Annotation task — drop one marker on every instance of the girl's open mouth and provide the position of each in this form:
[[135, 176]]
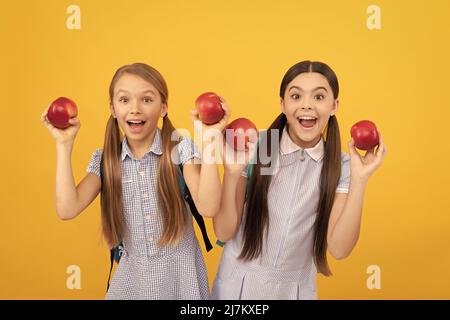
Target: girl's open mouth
[[136, 125], [307, 122]]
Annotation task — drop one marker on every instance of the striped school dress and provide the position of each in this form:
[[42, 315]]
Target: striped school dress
[[286, 268], [146, 270]]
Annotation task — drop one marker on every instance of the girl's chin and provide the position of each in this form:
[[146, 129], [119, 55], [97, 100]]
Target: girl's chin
[[305, 139]]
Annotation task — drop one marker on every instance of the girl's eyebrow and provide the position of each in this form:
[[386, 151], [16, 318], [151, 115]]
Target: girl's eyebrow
[[149, 90], [315, 89], [125, 91], [121, 90]]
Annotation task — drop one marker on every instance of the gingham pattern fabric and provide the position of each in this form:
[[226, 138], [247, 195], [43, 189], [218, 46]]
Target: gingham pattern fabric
[[146, 270], [285, 269]]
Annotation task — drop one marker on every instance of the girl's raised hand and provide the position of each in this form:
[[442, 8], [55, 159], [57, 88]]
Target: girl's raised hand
[[362, 167], [62, 136], [209, 138], [210, 130], [235, 161]]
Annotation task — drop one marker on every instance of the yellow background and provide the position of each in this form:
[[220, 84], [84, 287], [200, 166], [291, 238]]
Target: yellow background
[[396, 76]]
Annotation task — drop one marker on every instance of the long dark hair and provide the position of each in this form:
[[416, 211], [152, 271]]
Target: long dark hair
[[173, 207], [256, 221]]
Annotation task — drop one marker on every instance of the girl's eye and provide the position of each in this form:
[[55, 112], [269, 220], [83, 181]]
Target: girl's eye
[[295, 96], [319, 97], [147, 99], [123, 99]]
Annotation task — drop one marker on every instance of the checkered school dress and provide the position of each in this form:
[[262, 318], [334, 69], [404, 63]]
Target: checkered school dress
[[285, 269], [146, 270]]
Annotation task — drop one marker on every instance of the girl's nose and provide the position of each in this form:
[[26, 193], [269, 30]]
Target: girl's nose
[[134, 108]]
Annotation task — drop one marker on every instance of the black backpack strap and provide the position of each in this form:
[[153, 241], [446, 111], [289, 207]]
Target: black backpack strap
[[198, 217], [115, 254], [112, 253]]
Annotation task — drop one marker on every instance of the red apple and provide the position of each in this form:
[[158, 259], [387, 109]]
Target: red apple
[[209, 108], [365, 135], [60, 111], [239, 132]]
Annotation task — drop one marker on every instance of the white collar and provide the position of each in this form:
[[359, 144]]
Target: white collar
[[156, 146], [288, 146]]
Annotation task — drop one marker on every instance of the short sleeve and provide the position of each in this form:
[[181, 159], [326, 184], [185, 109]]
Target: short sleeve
[[188, 150], [94, 164], [344, 180]]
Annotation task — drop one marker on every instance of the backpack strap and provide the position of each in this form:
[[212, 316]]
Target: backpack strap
[[111, 257], [198, 217], [114, 255]]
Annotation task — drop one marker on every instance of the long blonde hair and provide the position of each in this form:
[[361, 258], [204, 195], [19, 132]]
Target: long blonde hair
[[175, 218]]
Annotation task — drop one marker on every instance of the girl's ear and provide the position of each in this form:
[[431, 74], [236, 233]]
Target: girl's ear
[[164, 110], [111, 108], [335, 107], [281, 105]]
